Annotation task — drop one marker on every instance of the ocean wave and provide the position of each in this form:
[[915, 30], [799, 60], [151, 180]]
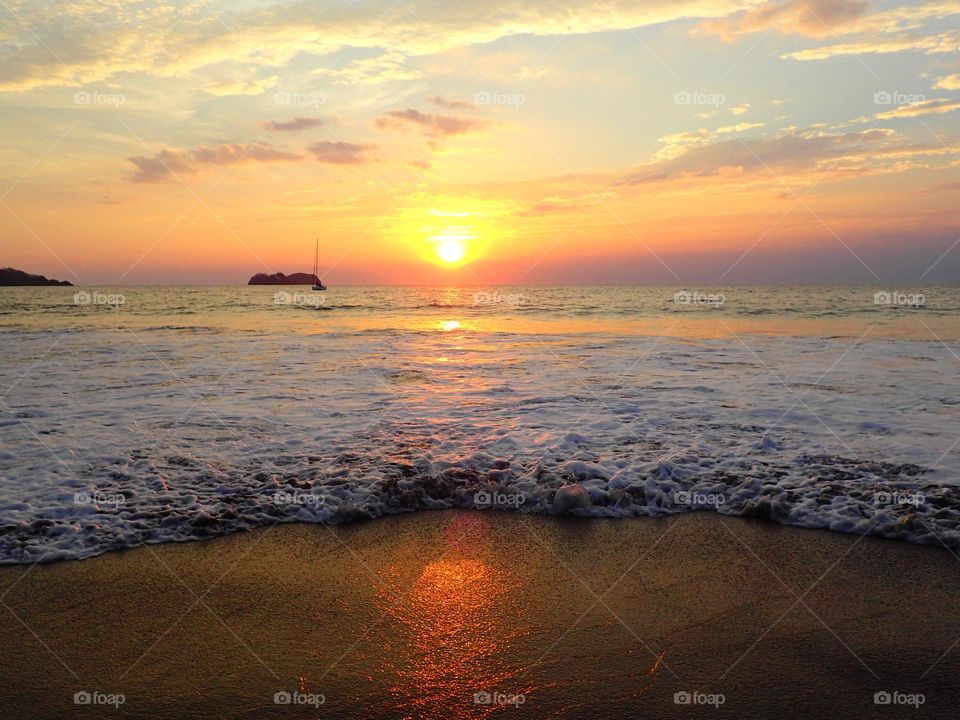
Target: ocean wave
[[830, 492], [109, 442]]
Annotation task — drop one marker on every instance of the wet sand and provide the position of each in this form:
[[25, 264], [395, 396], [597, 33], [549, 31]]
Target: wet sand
[[411, 616]]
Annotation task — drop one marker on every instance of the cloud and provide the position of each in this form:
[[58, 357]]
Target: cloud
[[95, 41], [434, 125], [341, 153], [929, 44], [935, 106], [950, 82], [387, 66], [166, 163], [451, 104], [739, 127], [791, 17], [224, 88], [297, 123], [781, 154]]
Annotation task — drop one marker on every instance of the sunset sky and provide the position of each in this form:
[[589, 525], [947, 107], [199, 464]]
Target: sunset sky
[[550, 141]]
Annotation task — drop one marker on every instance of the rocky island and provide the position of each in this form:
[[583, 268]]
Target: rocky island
[[11, 277], [281, 279]]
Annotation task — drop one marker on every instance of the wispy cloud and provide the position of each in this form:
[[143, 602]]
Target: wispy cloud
[[95, 41], [341, 153], [934, 106], [780, 154], [791, 17], [933, 43], [435, 125], [448, 104], [225, 88], [166, 164], [950, 82], [297, 123]]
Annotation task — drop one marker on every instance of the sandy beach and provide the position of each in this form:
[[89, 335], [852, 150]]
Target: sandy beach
[[414, 615]]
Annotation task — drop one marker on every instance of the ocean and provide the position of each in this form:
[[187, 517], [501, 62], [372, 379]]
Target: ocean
[[148, 415]]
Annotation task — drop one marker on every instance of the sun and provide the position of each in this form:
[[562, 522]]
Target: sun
[[451, 250]]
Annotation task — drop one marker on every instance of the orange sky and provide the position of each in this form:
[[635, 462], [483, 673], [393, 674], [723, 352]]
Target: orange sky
[[623, 142]]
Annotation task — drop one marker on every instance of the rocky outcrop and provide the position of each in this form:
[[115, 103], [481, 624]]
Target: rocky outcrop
[[281, 279], [9, 277]]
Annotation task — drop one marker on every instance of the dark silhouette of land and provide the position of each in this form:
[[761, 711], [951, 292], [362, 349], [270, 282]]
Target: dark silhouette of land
[[281, 279], [10, 277]]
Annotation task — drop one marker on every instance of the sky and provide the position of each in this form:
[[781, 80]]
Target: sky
[[504, 141]]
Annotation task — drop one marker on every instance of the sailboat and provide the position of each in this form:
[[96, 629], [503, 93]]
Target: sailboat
[[317, 285]]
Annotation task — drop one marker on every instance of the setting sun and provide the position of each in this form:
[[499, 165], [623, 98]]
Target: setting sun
[[451, 251]]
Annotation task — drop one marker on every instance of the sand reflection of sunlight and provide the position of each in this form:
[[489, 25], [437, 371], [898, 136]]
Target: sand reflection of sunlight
[[458, 632]]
